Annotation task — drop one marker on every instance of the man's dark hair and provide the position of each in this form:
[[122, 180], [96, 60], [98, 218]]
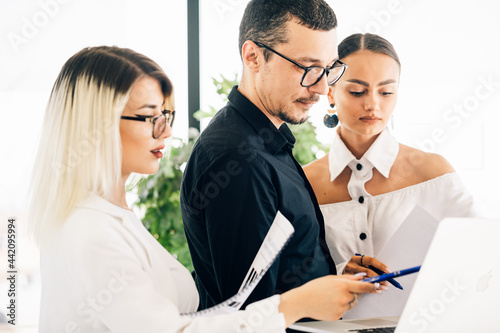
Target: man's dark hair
[[264, 20]]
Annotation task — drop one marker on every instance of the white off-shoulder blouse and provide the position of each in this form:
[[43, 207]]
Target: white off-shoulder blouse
[[366, 223]]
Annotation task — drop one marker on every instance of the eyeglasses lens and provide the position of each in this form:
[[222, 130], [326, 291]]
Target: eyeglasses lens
[[159, 126], [335, 74]]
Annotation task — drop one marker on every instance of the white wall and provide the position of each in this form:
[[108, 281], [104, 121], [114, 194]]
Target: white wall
[[36, 38]]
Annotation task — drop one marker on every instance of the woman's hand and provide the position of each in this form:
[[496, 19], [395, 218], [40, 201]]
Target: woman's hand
[[361, 264], [325, 298]]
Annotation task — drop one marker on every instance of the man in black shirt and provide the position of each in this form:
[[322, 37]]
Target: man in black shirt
[[242, 171]]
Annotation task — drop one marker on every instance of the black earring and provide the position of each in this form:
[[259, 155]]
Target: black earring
[[331, 120]]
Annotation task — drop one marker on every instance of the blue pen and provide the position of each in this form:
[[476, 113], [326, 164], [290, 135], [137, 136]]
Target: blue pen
[[381, 272], [387, 276]]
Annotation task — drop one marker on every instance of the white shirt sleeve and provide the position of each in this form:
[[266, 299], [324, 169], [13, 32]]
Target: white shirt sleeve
[[262, 317], [98, 279]]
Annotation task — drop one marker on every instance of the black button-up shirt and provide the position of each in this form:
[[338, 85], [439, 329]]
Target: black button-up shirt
[[240, 173]]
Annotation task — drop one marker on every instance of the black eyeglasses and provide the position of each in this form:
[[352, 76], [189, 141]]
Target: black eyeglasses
[[159, 122], [313, 74]]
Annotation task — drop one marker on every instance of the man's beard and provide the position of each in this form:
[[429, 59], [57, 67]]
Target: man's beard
[[289, 120]]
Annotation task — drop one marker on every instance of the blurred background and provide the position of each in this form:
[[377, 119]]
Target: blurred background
[[449, 93]]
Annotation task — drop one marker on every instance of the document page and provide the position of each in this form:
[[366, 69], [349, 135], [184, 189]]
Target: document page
[[406, 248], [276, 238], [278, 235]]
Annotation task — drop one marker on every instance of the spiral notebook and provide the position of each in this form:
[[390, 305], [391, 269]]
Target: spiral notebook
[[278, 235]]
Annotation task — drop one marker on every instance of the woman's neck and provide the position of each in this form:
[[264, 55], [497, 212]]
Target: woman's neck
[[119, 198], [357, 144]]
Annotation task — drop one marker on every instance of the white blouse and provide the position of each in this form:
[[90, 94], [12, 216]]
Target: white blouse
[[104, 272], [366, 223]]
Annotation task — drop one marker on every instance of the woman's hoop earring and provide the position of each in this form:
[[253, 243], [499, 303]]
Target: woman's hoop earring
[[331, 120]]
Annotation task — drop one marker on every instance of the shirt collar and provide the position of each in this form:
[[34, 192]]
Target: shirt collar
[[98, 203], [381, 155], [274, 139]]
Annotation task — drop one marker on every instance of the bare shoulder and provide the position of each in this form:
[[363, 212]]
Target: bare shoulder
[[426, 165], [316, 171]]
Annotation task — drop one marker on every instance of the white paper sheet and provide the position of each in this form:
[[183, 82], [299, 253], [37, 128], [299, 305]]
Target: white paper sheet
[[406, 248], [278, 235]]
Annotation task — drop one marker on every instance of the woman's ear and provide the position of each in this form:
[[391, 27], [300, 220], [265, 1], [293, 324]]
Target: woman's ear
[[331, 91], [252, 56]]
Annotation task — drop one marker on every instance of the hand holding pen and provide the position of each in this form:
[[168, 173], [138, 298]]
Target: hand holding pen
[[362, 263], [390, 276], [359, 264]]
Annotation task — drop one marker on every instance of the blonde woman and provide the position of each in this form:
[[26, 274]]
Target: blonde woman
[[108, 116]]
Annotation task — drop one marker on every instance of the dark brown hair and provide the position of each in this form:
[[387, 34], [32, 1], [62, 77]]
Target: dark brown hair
[[264, 20], [111, 66], [370, 42]]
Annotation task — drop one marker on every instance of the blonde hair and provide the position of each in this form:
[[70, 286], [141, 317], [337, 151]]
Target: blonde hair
[[79, 152]]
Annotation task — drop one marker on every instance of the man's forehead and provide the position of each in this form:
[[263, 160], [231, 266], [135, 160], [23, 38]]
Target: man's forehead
[[311, 45]]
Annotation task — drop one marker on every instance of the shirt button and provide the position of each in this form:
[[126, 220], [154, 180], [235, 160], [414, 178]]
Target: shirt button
[[359, 166], [361, 199], [362, 236]]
